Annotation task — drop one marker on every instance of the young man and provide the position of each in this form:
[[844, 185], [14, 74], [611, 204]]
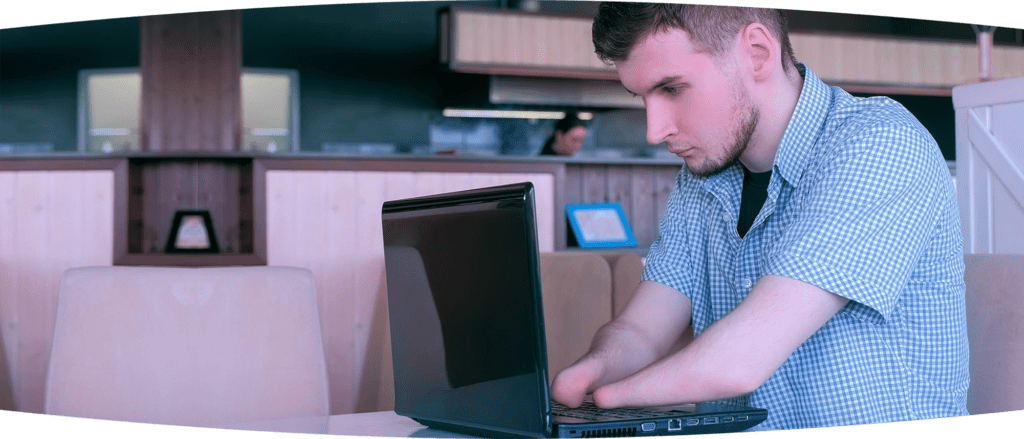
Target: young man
[[832, 292]]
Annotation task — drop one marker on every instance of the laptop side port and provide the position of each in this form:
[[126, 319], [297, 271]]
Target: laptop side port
[[648, 426], [675, 425]]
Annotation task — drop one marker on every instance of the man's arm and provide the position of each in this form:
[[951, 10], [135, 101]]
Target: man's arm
[[735, 355], [644, 332]]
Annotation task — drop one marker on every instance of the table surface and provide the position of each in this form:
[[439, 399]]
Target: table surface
[[375, 424]]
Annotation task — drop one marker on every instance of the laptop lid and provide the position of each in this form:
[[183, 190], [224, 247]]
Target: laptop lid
[[467, 325], [465, 307]]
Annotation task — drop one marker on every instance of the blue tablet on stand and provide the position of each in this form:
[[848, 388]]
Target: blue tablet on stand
[[600, 225]]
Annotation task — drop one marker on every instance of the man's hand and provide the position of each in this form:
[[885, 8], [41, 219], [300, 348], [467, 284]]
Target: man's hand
[[571, 385], [644, 332]]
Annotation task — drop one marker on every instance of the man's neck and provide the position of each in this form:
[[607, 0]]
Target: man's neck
[[777, 102]]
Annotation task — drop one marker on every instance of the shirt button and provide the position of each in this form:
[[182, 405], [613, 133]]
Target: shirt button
[[747, 283]]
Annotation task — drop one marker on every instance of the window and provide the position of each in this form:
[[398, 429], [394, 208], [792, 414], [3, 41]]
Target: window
[[270, 110], [110, 102]]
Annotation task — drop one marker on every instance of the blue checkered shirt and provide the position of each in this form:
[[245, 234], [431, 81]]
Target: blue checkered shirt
[[861, 204]]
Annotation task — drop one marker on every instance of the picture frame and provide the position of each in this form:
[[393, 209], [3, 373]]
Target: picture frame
[[192, 232], [601, 225]]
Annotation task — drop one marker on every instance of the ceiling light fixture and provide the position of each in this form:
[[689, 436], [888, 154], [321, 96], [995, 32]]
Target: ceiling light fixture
[[510, 114]]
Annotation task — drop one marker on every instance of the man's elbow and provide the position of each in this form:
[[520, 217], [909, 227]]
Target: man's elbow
[[734, 380]]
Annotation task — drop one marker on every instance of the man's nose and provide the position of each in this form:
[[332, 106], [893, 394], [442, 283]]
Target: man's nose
[[659, 124]]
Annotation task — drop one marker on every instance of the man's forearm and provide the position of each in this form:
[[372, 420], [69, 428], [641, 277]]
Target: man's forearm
[[735, 355], [623, 350]]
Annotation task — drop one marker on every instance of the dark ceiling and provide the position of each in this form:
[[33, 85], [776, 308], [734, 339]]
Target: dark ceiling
[[124, 31]]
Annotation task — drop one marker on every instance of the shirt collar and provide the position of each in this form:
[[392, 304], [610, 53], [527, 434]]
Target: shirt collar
[[798, 142]]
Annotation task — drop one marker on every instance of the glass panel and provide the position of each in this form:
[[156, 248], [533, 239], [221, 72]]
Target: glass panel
[[267, 112], [113, 102]]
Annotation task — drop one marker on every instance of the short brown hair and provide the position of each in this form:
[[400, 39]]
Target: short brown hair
[[619, 26]]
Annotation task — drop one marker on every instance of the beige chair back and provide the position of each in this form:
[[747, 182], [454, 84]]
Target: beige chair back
[[627, 269], [577, 302], [187, 346], [995, 330]]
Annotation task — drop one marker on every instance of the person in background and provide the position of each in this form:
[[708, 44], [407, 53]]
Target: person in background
[[567, 138]]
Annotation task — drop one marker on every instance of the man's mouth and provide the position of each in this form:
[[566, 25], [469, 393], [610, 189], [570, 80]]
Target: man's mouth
[[680, 151]]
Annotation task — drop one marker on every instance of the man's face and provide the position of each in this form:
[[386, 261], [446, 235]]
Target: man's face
[[567, 143], [701, 111]]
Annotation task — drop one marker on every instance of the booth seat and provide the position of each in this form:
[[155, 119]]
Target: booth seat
[[627, 267], [994, 305], [579, 289], [187, 346], [995, 332], [101, 329], [994, 301], [171, 341]]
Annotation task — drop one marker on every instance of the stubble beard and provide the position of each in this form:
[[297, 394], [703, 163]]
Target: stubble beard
[[731, 154]]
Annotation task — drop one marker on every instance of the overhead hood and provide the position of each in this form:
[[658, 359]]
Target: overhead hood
[[463, 90], [560, 92]]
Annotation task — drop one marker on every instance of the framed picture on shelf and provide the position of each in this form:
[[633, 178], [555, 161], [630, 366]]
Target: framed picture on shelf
[[192, 232]]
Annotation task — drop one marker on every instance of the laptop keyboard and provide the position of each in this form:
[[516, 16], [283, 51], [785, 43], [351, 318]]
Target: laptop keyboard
[[590, 412]]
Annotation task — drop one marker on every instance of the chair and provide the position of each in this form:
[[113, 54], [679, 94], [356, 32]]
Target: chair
[[995, 330], [577, 291], [627, 269], [187, 346]]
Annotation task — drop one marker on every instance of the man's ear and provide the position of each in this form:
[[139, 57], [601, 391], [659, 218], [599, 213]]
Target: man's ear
[[758, 49]]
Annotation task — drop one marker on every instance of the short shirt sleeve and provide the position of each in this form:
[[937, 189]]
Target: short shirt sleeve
[[863, 216], [670, 260]]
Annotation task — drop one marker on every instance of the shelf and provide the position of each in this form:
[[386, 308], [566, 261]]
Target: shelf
[[159, 186], [187, 260]]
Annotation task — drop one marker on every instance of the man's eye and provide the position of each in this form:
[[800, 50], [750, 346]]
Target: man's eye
[[671, 89]]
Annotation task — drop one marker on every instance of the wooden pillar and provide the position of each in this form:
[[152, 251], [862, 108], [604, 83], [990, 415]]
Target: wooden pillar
[[191, 67]]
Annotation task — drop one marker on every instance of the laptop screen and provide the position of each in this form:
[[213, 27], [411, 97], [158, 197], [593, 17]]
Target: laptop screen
[[464, 300]]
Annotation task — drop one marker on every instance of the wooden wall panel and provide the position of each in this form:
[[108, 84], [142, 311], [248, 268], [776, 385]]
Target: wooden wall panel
[[513, 39], [642, 190], [858, 59], [191, 67], [665, 183], [618, 182], [329, 222], [8, 287], [518, 43], [51, 221], [35, 290], [594, 186], [640, 206]]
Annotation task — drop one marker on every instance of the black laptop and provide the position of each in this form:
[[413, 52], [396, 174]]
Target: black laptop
[[467, 327]]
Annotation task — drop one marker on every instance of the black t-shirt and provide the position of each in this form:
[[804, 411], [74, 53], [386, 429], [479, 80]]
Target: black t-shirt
[[755, 191]]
